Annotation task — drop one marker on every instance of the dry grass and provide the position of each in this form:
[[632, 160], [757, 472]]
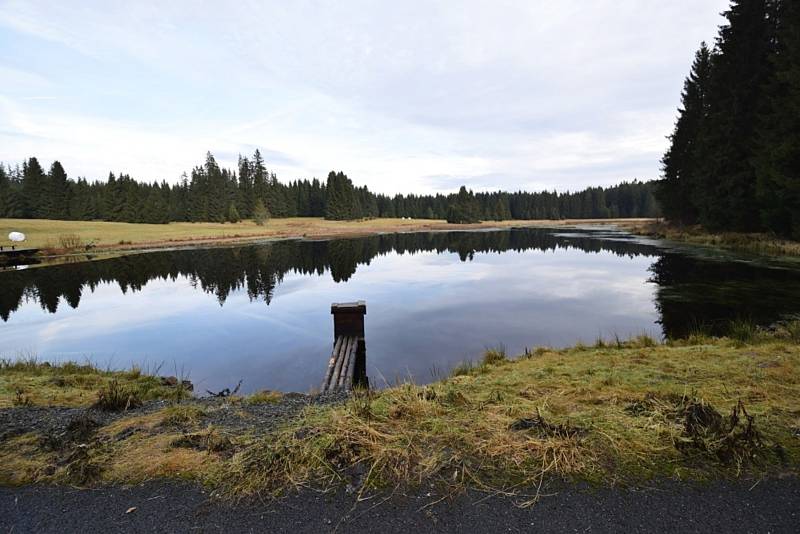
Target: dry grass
[[620, 412], [70, 241], [144, 457], [23, 460], [556, 413], [47, 234], [763, 244]]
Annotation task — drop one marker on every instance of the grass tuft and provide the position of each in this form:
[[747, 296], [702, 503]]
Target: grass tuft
[[462, 369], [181, 415], [70, 241], [744, 331], [116, 398], [264, 397], [494, 356]]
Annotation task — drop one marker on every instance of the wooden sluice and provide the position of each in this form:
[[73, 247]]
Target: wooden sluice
[[347, 367]]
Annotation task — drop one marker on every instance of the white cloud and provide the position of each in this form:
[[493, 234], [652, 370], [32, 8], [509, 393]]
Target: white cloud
[[503, 94]]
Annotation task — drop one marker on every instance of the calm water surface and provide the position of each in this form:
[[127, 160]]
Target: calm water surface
[[262, 313]]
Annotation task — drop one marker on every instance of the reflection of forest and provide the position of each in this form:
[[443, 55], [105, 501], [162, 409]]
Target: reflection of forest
[[259, 269], [695, 294], [690, 291]]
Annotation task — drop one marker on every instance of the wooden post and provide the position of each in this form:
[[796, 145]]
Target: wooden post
[[348, 320]]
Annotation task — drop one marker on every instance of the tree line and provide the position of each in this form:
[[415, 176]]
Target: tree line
[[734, 157], [211, 193]]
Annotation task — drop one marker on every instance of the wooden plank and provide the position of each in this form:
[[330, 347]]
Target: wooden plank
[[349, 356], [339, 360], [351, 366], [346, 363], [336, 348]]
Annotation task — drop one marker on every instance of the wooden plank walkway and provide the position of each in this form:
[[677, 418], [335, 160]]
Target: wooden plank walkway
[[347, 367], [341, 366]]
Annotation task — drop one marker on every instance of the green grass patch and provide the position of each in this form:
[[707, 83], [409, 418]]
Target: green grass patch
[[27, 381], [264, 397]]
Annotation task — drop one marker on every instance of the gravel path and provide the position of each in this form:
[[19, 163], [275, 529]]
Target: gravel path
[[54, 421], [771, 506]]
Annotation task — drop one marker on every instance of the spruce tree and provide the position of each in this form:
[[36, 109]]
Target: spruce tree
[[246, 194], [233, 213], [777, 160], [740, 69], [341, 200], [678, 189], [5, 191], [216, 190], [154, 209], [260, 213], [57, 191], [463, 208], [34, 190]]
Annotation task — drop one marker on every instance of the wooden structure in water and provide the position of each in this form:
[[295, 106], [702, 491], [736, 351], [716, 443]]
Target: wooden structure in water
[[347, 367]]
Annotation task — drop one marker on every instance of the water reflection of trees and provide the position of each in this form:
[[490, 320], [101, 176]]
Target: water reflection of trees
[[260, 269], [706, 295], [690, 292]]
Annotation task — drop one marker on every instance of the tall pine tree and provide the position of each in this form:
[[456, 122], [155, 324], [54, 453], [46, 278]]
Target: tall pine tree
[[777, 160], [678, 190], [740, 70]]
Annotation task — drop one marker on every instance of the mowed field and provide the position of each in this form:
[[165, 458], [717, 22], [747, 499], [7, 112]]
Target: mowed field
[[58, 235]]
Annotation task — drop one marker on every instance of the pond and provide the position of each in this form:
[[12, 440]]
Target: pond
[[261, 313]]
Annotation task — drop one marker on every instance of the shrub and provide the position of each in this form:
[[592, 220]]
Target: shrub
[[70, 241]]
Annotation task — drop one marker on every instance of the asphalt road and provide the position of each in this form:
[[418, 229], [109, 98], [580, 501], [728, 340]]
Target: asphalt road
[[770, 506]]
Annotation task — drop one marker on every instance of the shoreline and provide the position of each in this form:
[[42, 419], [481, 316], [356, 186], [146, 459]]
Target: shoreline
[[613, 413], [109, 238], [754, 243]]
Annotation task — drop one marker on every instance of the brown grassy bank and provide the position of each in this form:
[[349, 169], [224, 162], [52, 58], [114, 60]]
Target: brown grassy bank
[[61, 236], [611, 413], [756, 243]]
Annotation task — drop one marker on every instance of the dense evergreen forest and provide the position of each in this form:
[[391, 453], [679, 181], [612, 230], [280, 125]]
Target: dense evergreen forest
[[734, 159], [215, 194]]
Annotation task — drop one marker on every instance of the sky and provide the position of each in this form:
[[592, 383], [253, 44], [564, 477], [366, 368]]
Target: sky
[[412, 96]]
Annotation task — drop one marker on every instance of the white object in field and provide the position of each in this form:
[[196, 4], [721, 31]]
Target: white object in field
[[17, 237]]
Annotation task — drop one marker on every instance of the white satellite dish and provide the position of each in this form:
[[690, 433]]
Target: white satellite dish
[[17, 237]]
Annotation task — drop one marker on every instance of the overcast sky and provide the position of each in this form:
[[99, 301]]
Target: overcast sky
[[403, 96]]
